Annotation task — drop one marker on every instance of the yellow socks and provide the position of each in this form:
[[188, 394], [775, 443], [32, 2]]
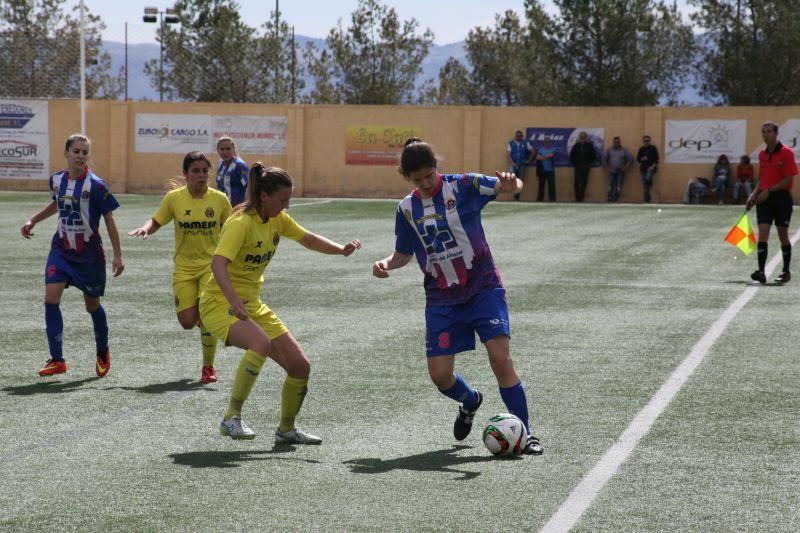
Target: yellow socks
[[209, 343], [292, 395], [246, 374]]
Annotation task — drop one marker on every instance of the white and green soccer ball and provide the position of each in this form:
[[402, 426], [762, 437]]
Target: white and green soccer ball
[[504, 435]]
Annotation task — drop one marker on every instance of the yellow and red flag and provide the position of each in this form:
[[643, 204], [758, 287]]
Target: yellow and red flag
[[742, 236]]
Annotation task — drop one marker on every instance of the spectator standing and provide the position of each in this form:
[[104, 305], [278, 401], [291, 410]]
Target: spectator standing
[[616, 161], [648, 165], [582, 156], [722, 175], [744, 178], [520, 153], [545, 157]]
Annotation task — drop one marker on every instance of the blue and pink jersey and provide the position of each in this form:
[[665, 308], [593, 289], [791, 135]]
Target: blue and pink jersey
[[446, 234], [81, 202]]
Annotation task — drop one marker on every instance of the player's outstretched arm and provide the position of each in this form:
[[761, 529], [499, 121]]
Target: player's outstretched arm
[[47, 211], [117, 264], [149, 227], [507, 182], [320, 244], [380, 269]]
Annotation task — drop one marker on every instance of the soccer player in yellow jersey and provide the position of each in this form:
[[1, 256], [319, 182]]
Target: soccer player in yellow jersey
[[198, 212], [231, 307]]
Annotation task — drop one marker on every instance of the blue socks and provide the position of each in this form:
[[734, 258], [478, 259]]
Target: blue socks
[[516, 402], [100, 324], [54, 326], [462, 392]]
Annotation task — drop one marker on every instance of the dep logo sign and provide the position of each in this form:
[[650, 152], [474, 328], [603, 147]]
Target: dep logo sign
[[703, 141]]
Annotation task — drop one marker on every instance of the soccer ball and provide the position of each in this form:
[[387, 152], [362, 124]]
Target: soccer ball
[[504, 435]]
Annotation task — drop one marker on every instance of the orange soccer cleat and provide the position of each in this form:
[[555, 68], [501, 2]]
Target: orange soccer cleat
[[103, 364], [53, 367]]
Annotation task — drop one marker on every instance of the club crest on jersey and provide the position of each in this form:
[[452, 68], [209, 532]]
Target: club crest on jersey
[[85, 195], [209, 212], [276, 239], [451, 204]]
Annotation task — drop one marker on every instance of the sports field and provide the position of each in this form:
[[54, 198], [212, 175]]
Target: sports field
[[606, 301]]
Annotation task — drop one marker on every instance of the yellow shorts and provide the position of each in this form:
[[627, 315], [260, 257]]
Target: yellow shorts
[[187, 288], [215, 312]]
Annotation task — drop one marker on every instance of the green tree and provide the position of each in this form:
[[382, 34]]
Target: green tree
[[511, 63], [621, 52], [747, 51], [213, 56], [374, 61], [40, 52]]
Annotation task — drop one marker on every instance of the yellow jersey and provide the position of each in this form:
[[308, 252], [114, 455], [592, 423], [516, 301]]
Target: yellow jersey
[[249, 244], [198, 222]]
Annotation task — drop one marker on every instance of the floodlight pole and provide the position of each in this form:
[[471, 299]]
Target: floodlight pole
[[83, 68]]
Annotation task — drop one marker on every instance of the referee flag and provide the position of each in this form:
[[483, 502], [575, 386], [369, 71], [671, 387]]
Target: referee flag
[[742, 235]]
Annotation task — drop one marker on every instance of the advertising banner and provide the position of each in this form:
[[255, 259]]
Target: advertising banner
[[788, 134], [24, 140], [563, 140], [252, 134], [703, 141], [376, 145], [172, 134]]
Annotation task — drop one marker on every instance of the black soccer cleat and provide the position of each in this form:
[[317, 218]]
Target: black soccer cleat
[[759, 276], [463, 423], [533, 446], [784, 277]]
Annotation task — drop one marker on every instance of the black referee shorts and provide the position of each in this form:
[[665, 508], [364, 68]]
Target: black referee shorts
[[777, 209]]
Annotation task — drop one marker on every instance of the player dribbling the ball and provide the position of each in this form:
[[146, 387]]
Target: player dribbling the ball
[[231, 307], [440, 223]]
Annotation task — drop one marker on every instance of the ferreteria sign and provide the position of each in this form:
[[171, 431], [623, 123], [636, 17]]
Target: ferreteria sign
[[789, 135], [703, 141]]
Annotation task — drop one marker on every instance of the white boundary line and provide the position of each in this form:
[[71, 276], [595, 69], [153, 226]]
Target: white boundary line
[[593, 482]]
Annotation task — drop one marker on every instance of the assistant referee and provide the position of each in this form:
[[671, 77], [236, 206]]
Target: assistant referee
[[773, 199]]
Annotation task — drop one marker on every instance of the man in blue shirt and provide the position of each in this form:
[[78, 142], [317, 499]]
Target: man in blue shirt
[[546, 170], [520, 155]]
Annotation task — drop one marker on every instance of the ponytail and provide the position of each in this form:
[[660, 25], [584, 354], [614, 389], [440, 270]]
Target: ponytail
[[416, 155], [263, 179]]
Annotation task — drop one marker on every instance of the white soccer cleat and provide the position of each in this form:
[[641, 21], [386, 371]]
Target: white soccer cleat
[[296, 436], [236, 429]]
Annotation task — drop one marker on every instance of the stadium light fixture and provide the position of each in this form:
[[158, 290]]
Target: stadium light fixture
[[168, 16]]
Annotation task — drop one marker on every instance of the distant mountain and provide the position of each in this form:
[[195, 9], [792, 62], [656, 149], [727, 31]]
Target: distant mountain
[[140, 88]]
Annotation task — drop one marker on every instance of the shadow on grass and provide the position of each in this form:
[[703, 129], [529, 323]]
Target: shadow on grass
[[754, 284], [181, 385], [217, 459], [48, 387], [435, 461]]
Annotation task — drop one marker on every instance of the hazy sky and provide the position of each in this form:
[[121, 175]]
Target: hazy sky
[[450, 20]]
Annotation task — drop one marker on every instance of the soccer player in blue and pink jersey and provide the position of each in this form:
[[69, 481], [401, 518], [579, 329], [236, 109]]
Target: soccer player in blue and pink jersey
[[232, 172], [440, 223], [76, 256]]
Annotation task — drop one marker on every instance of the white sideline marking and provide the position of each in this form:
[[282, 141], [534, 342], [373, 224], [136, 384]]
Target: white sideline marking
[[301, 204], [592, 483]]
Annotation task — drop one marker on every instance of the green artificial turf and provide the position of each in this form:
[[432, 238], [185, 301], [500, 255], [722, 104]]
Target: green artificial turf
[[605, 302]]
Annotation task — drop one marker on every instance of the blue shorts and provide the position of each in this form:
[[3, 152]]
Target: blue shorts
[[88, 277], [451, 328]]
